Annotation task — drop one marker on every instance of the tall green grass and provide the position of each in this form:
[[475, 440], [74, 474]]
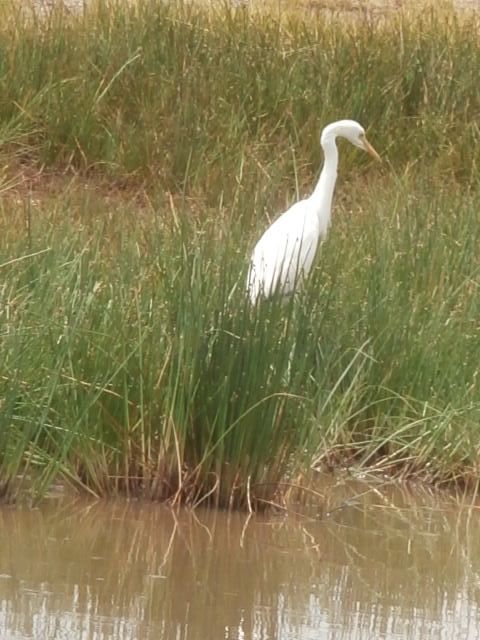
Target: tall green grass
[[160, 91], [132, 362], [129, 359]]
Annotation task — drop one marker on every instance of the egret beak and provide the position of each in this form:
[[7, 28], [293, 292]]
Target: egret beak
[[369, 149]]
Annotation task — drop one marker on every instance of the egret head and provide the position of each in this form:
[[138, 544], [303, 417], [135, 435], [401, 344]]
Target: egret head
[[352, 131]]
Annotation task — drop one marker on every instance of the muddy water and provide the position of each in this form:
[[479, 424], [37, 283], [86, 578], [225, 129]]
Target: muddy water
[[372, 562]]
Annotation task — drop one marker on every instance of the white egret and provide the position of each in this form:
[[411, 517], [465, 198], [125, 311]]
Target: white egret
[[284, 254]]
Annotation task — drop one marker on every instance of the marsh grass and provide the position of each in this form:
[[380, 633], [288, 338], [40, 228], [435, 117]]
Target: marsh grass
[[182, 96], [130, 360]]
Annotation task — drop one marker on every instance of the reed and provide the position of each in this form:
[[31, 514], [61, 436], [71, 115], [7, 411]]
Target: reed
[[132, 362], [182, 96]]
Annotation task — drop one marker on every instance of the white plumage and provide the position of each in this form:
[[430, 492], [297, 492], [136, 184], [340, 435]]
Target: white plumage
[[284, 254]]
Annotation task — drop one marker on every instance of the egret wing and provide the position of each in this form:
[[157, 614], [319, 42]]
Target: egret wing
[[284, 253]]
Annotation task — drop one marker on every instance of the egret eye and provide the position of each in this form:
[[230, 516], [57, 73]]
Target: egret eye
[[361, 140]]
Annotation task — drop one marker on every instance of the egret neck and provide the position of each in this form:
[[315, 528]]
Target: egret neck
[[321, 198]]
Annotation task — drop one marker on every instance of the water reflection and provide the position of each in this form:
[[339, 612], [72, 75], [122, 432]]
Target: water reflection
[[385, 563]]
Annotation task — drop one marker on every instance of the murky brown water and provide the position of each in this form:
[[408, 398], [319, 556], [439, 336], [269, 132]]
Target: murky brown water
[[385, 563]]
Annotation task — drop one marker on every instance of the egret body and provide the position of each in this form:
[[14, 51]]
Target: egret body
[[284, 254]]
